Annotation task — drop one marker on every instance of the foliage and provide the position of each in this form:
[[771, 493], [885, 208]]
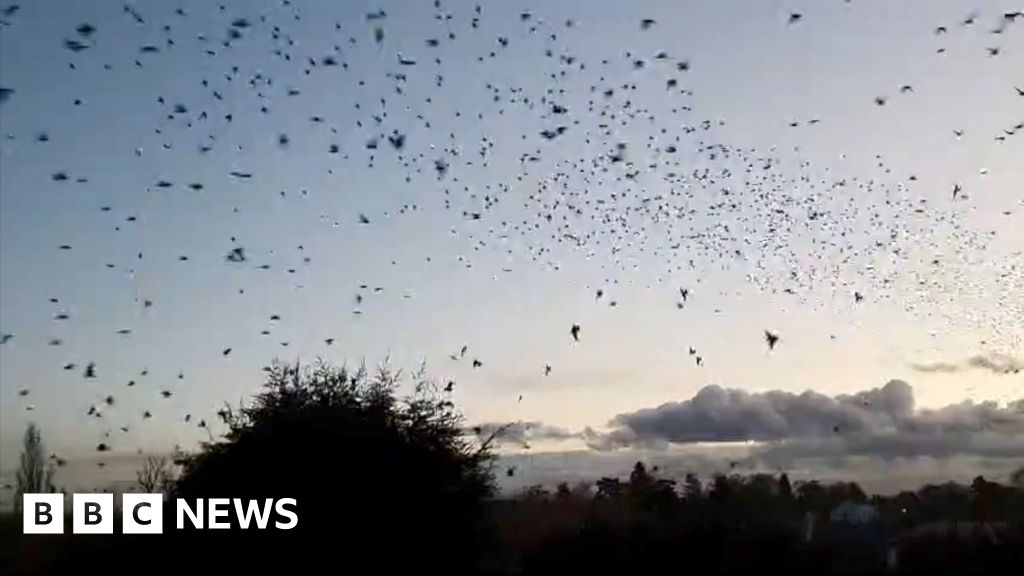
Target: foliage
[[156, 475], [35, 475], [386, 477]]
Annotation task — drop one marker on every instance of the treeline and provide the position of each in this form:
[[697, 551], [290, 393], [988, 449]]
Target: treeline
[[748, 523]]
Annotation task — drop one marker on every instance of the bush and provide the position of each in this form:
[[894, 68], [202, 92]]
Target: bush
[[380, 481]]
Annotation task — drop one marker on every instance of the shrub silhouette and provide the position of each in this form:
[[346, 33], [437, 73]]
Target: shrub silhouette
[[34, 474], [381, 482]]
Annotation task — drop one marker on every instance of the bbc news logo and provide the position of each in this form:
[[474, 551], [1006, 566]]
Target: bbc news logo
[[143, 513]]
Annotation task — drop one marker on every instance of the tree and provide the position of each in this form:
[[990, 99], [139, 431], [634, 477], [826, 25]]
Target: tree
[[693, 490], [1017, 478], [155, 475], [639, 479], [34, 475], [379, 480], [785, 488], [811, 496], [608, 488]]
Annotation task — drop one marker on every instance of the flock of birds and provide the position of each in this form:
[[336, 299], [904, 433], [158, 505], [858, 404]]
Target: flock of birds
[[598, 171]]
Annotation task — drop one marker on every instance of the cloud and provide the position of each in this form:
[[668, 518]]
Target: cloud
[[998, 363], [520, 433], [937, 367], [993, 362], [877, 422]]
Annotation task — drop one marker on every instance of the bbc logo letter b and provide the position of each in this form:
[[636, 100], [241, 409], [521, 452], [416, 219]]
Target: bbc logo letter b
[[142, 513], [92, 514], [42, 514]]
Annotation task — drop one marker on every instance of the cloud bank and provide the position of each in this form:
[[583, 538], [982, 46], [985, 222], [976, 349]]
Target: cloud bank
[[878, 422]]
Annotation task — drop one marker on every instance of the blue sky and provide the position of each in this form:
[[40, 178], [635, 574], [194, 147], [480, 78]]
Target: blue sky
[[448, 280]]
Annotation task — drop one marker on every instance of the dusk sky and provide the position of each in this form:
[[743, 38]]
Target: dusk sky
[[849, 180]]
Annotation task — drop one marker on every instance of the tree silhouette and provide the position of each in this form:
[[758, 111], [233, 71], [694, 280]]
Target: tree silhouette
[[34, 475], [785, 488], [379, 480], [1017, 478], [155, 475]]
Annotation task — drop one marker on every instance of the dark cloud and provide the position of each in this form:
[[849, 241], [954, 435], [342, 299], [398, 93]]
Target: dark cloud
[[993, 362], [998, 363], [520, 433], [877, 422]]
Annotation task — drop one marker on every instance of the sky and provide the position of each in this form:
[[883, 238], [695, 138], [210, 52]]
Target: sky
[[792, 175]]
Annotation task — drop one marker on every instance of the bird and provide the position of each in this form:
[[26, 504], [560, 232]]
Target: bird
[[90, 370], [794, 17], [547, 369], [771, 339], [575, 332], [477, 363], [236, 254]]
